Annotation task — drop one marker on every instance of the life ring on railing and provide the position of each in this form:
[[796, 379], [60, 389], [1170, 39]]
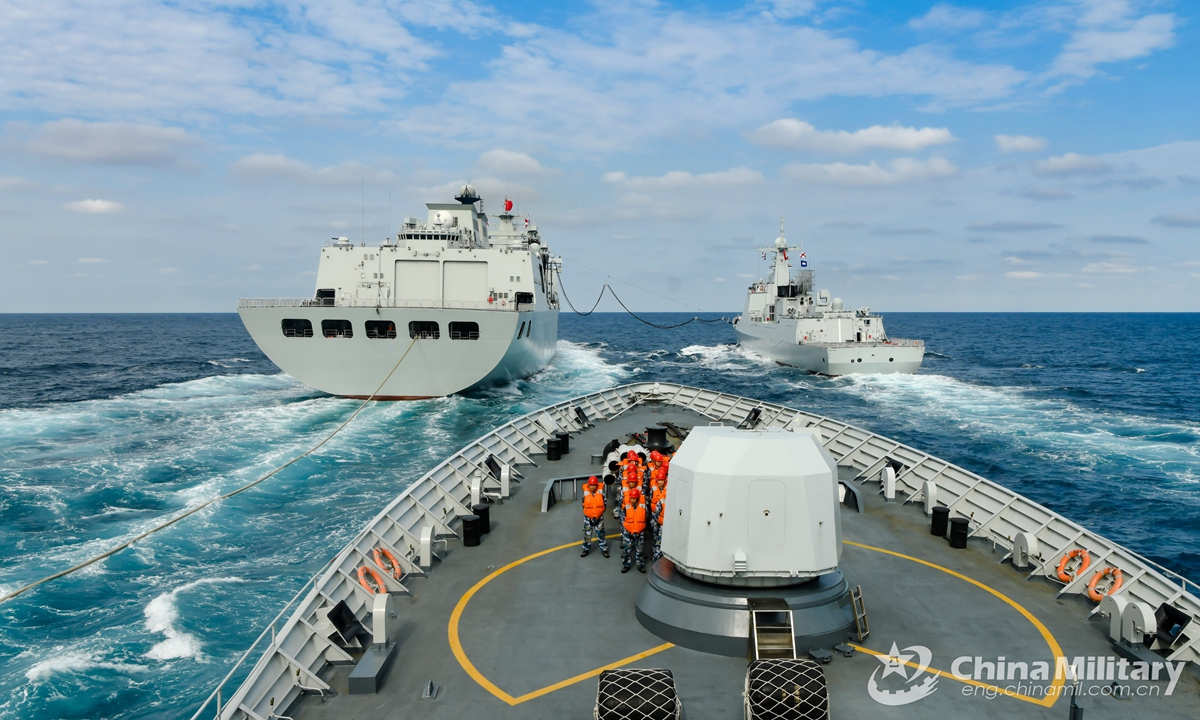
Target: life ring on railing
[[1117, 578], [1066, 573], [363, 573], [386, 560]]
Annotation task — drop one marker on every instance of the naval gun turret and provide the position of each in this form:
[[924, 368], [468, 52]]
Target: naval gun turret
[[752, 519]]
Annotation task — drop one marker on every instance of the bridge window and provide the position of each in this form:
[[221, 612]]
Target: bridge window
[[424, 330], [337, 328], [464, 331], [296, 328], [381, 329]]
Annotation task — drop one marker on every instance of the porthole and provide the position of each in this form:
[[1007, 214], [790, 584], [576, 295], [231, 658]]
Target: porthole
[[891, 359]]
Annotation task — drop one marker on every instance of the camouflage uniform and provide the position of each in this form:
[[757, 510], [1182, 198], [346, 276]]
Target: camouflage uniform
[[632, 547], [594, 527], [633, 544]]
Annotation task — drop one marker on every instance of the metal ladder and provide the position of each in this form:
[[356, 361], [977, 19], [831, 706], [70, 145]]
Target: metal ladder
[[861, 629], [771, 630]]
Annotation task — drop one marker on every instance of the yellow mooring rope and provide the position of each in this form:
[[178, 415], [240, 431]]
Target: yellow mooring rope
[[201, 506]]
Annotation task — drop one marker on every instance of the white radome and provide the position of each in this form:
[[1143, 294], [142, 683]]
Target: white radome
[[752, 507]]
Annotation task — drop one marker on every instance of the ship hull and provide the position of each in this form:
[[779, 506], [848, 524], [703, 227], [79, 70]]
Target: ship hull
[[778, 343], [356, 366]]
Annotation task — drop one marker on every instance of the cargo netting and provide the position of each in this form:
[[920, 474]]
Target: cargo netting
[[786, 690], [637, 694]]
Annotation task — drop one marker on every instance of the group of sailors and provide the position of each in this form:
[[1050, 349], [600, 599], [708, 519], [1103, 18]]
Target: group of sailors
[[640, 504]]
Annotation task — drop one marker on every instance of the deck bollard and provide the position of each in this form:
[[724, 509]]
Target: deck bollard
[[941, 518], [564, 442], [484, 511], [553, 449], [470, 524], [958, 532]]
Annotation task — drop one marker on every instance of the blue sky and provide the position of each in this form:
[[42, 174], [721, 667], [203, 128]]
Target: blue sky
[[930, 156]]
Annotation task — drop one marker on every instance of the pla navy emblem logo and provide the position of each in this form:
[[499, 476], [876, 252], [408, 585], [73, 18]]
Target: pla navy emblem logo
[[897, 662]]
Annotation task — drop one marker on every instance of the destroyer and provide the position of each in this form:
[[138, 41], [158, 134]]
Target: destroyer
[[479, 302], [786, 321], [794, 541]]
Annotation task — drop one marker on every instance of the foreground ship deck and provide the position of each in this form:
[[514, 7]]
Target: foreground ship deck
[[521, 626]]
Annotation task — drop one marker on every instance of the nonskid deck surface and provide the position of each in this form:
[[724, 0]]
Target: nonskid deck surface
[[533, 635]]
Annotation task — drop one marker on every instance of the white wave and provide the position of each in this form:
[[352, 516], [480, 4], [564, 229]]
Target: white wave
[[725, 357], [1053, 429], [161, 614], [74, 661]]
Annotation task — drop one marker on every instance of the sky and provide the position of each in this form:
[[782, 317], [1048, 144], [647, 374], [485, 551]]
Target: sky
[[929, 156]]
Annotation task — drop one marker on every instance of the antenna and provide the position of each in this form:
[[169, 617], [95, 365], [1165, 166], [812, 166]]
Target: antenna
[[780, 226], [362, 216], [389, 211]]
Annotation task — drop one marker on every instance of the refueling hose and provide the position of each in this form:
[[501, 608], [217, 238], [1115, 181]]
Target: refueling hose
[[608, 288]]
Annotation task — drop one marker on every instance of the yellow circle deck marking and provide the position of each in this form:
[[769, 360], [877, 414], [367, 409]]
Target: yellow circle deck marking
[[478, 677], [1050, 698], [469, 667]]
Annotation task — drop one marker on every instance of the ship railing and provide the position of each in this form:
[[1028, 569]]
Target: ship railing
[[441, 496], [398, 303], [215, 695], [906, 342]]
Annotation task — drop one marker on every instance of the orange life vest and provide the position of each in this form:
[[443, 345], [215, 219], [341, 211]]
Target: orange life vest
[[593, 503], [660, 494], [635, 517]]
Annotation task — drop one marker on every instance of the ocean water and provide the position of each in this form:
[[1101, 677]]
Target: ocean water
[[110, 424]]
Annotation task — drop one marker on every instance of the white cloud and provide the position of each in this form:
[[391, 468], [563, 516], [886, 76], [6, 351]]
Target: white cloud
[[1178, 220], [92, 261], [678, 179], [39, 262], [245, 58], [1012, 260], [645, 71], [1012, 226], [1019, 143], [263, 166], [10, 183], [900, 170], [1110, 268], [168, 270], [111, 143], [1107, 32], [1041, 194], [1071, 164], [792, 134], [1023, 274], [508, 162], [948, 17], [94, 207]]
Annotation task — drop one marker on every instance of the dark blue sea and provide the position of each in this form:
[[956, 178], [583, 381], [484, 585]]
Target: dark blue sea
[[110, 424]]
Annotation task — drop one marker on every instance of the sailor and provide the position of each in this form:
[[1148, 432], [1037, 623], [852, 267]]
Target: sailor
[[593, 516], [658, 506], [632, 480], [633, 531]]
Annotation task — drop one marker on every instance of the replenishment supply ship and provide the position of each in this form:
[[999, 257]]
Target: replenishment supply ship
[[480, 299], [809, 569], [785, 320]]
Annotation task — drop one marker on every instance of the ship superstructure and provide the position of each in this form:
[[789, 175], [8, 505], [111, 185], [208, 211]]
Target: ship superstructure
[[475, 293], [786, 320]]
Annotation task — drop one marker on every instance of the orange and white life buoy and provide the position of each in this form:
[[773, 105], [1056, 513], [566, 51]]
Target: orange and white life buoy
[[1117, 578], [386, 560], [1067, 570], [367, 576]]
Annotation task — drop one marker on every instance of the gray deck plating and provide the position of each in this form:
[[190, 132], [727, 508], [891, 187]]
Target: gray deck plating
[[557, 617]]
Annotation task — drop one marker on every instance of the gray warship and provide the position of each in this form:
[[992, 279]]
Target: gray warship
[[786, 320], [809, 569]]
